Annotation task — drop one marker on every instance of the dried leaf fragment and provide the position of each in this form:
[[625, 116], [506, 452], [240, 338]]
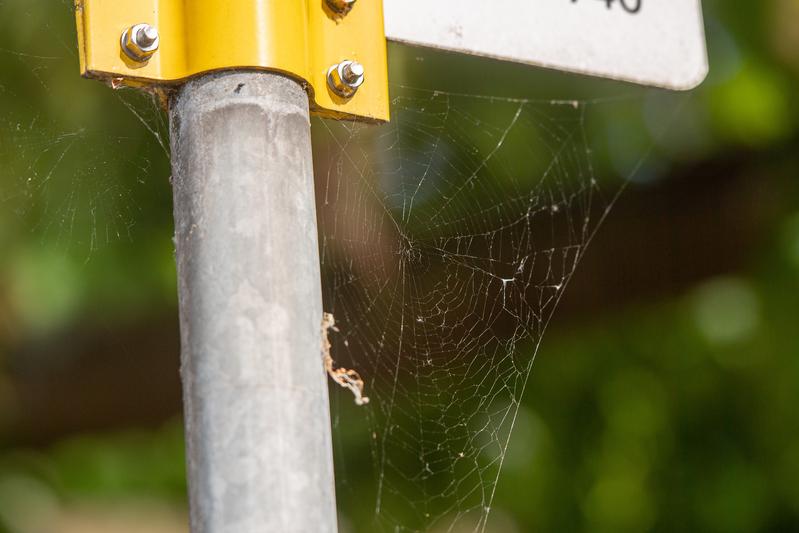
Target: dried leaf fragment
[[349, 379]]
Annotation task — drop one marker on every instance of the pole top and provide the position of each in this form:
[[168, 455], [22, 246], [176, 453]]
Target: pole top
[[159, 44]]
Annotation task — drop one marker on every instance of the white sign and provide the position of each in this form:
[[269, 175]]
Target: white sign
[[652, 42]]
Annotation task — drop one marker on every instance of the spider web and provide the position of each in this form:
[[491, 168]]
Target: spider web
[[447, 239], [64, 169]]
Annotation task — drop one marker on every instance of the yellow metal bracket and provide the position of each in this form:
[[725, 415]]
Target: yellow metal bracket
[[300, 38]]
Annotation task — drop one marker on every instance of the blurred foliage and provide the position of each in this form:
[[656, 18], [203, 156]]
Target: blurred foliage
[[676, 414], [670, 417]]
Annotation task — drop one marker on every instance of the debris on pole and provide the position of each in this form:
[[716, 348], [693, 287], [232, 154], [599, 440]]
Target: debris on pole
[[255, 393]]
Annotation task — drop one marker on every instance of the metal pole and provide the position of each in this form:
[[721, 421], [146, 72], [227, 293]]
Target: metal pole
[[255, 392]]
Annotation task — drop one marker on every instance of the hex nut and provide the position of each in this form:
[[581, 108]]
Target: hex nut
[[140, 42], [345, 78]]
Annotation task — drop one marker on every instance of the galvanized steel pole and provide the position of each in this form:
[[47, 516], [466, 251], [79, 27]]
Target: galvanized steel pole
[[255, 392]]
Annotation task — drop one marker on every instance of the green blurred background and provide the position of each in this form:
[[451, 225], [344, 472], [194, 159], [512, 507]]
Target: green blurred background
[[665, 393]]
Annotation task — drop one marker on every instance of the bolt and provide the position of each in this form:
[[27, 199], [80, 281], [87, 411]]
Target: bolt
[[345, 78], [353, 72], [140, 42], [146, 36], [342, 7]]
